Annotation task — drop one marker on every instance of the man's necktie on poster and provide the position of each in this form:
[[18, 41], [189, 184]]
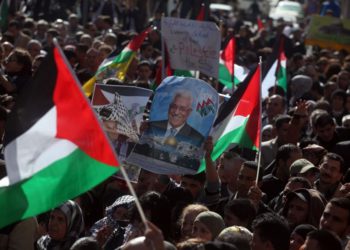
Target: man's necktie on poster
[[170, 139], [172, 132]]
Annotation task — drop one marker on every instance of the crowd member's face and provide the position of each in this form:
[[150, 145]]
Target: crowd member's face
[[34, 49], [325, 133], [147, 52], [245, 180], [179, 111], [330, 172], [191, 185], [284, 165], [187, 223], [297, 211], [311, 175], [282, 132], [232, 180], [343, 80], [144, 72], [201, 231], [12, 65], [296, 241], [57, 225], [335, 219], [274, 106]]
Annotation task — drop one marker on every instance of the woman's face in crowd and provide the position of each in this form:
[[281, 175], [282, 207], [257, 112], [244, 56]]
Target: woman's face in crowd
[[201, 231], [187, 223], [12, 65], [57, 225]]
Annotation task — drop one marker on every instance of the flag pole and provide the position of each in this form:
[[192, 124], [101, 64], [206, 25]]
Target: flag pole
[[260, 121], [163, 54], [133, 193], [131, 189]]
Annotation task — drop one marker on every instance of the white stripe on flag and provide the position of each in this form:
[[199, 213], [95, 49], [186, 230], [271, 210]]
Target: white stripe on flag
[[234, 123], [269, 80], [36, 148]]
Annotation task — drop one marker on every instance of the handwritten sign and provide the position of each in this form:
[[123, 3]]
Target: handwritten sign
[[192, 45]]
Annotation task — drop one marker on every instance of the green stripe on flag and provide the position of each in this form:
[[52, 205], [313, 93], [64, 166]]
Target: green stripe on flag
[[29, 198], [225, 76], [282, 78], [123, 57], [238, 136]]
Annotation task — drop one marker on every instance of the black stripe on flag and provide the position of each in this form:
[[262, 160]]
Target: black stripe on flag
[[33, 101], [231, 104]]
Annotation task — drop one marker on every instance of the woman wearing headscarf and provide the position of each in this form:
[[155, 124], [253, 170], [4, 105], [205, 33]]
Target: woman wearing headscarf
[[207, 225], [66, 225]]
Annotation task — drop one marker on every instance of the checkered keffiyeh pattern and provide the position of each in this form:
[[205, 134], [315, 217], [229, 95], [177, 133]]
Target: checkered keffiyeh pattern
[[117, 111]]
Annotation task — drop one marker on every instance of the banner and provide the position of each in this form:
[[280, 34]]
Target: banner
[[182, 114], [121, 110], [329, 32], [192, 45]]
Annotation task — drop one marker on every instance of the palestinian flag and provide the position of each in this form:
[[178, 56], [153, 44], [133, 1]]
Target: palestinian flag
[[116, 66], [274, 71], [240, 119], [281, 71], [228, 68], [55, 148]]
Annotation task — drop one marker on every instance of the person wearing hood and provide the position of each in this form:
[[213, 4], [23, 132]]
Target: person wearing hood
[[303, 206]]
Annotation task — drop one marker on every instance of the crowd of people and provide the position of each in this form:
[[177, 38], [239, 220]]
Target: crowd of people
[[301, 197]]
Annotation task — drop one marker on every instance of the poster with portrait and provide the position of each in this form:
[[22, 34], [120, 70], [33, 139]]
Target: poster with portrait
[[182, 114], [121, 110]]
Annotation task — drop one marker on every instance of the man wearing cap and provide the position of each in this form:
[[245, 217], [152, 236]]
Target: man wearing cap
[[304, 168]]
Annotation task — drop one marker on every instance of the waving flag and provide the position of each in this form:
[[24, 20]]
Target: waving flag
[[274, 72], [281, 71], [240, 120], [55, 148], [228, 68], [118, 65]]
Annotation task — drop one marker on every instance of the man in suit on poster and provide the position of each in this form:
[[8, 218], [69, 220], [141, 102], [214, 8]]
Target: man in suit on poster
[[176, 127]]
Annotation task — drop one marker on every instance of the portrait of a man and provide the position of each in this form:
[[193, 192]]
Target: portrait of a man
[[182, 113], [176, 127]]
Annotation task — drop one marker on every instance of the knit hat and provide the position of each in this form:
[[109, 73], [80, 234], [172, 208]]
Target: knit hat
[[213, 221]]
